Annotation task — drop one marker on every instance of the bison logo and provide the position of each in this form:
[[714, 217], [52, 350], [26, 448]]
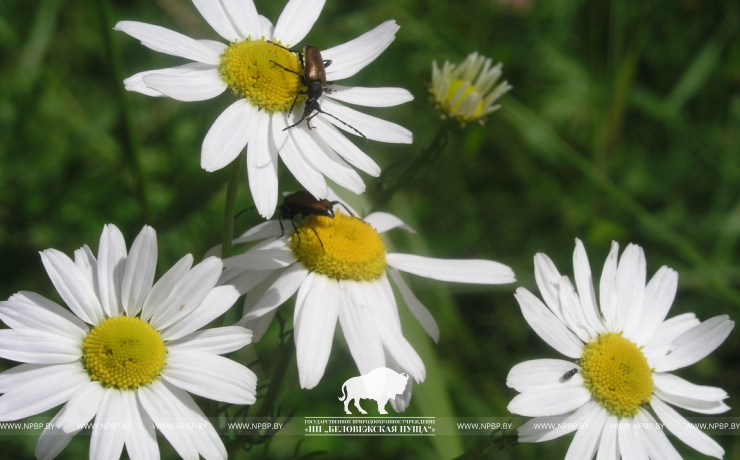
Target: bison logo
[[380, 384]]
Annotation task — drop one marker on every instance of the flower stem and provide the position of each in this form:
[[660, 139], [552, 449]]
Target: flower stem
[[231, 192], [286, 350], [131, 147], [425, 158]]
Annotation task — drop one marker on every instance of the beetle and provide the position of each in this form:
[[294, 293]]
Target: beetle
[[302, 203], [569, 375], [314, 79]]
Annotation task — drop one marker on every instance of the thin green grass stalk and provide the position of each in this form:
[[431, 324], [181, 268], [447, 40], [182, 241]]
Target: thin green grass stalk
[[537, 130], [131, 145]]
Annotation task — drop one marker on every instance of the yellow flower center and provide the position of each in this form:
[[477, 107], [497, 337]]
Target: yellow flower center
[[454, 109], [617, 373], [123, 352], [352, 249], [252, 69]]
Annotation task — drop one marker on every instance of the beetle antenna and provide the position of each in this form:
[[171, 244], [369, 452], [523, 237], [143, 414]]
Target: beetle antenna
[[334, 203], [344, 123], [314, 232], [243, 211]]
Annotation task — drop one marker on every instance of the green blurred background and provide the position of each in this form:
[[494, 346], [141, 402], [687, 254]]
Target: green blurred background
[[623, 124]]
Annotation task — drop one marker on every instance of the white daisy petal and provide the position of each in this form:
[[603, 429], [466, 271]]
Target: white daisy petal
[[586, 440], [388, 325], [547, 325], [630, 289], [304, 172], [547, 277], [541, 429], [244, 15], [608, 445], [53, 440], [136, 82], [316, 313], [262, 163], [372, 127], [37, 395], [82, 406], [228, 135], [169, 42], [383, 222], [657, 444], [538, 373], [679, 392], [670, 329], [260, 231], [85, 260], [111, 266], [107, 438], [696, 343], [401, 402], [260, 324], [165, 409], [196, 85], [262, 259], [630, 445], [608, 298], [549, 401], [573, 311], [216, 303], [164, 286], [370, 97], [30, 311], [659, 295], [215, 15], [319, 154], [210, 376], [357, 325], [268, 29], [586, 293], [461, 271], [678, 425], [245, 280], [418, 309], [218, 47], [188, 293], [73, 286], [296, 20], [140, 438], [351, 57], [138, 276], [345, 148], [30, 346], [217, 341], [276, 293]]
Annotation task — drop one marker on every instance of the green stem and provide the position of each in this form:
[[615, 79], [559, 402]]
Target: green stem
[[425, 158], [276, 382], [131, 146], [231, 192]]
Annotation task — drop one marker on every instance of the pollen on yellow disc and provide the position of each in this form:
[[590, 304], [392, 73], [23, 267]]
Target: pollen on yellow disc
[[352, 249], [252, 70], [454, 109], [617, 373], [123, 352]]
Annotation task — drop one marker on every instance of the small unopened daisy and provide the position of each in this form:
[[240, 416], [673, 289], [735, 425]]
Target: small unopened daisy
[[623, 350], [340, 269], [467, 92], [265, 77], [128, 353]]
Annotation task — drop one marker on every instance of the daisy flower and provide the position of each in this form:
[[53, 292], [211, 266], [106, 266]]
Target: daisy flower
[[467, 92], [340, 269], [128, 353], [624, 350], [265, 77]]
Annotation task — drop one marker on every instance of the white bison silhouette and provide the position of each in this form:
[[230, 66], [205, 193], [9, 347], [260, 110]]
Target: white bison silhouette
[[380, 384]]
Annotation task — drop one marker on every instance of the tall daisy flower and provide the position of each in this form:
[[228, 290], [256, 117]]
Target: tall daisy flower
[[127, 354], [468, 92], [265, 77], [624, 350], [340, 269]]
